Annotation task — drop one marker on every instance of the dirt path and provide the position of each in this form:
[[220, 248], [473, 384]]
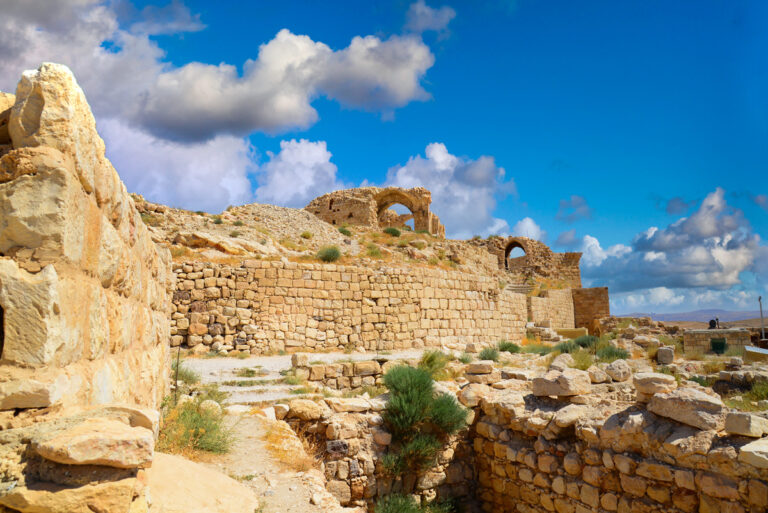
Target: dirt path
[[266, 385], [280, 489]]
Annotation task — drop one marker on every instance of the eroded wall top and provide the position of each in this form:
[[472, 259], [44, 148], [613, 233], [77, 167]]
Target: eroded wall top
[[370, 206]]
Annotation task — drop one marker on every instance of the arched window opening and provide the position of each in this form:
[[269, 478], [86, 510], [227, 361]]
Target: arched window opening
[[396, 215], [513, 254]]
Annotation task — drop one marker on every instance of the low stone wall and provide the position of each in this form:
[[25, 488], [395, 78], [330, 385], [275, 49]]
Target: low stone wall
[[267, 306], [700, 340], [553, 305], [589, 306], [352, 375]]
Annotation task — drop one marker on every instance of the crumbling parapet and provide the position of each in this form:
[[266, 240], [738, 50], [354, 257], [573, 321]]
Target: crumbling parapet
[[370, 207], [538, 262]]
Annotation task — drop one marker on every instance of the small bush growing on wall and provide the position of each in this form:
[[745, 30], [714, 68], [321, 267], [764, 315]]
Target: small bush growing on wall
[[394, 232], [489, 353], [329, 253], [509, 347], [418, 419]]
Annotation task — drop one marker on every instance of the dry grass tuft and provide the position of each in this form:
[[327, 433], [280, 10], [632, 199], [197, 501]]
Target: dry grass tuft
[[297, 451]]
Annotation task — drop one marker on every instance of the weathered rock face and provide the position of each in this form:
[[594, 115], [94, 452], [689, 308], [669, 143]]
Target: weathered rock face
[[84, 305], [566, 383], [84, 291], [690, 406]]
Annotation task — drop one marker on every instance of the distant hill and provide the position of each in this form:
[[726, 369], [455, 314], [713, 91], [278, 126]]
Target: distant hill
[[699, 315]]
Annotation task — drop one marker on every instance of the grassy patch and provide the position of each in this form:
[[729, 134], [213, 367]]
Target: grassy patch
[[508, 347], [235, 234], [345, 232], [247, 382], [238, 223], [703, 380], [218, 220], [186, 375], [329, 253], [372, 250], [465, 358], [489, 353], [246, 372], [713, 366], [434, 363], [150, 220], [186, 428], [610, 354], [582, 359], [306, 235], [540, 349], [397, 503], [394, 232]]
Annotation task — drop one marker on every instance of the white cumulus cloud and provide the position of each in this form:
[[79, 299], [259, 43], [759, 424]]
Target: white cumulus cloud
[[527, 227], [464, 191], [421, 18]]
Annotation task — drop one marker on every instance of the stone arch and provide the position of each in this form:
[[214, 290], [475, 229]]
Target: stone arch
[[512, 244], [390, 197]]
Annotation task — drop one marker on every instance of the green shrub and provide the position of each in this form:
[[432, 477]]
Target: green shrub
[[235, 234], [540, 349], [418, 419], [186, 427], [306, 235], [611, 353], [329, 253], [489, 353], [758, 392], [434, 363], [509, 347], [217, 220], [465, 358], [345, 232], [150, 220], [394, 232], [568, 346], [582, 359], [586, 341], [238, 223], [703, 380], [397, 503]]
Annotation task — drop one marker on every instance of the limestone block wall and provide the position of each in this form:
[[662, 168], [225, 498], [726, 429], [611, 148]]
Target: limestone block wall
[[590, 305], [266, 306], [555, 305], [84, 292], [700, 340], [632, 461]]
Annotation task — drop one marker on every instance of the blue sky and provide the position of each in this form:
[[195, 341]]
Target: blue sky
[[584, 123]]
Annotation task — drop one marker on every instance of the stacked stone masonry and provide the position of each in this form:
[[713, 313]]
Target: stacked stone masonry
[[268, 306], [590, 305], [556, 306]]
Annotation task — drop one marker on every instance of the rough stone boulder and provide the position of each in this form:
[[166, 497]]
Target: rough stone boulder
[[471, 395], [619, 370], [181, 486], [100, 442], [755, 453], [480, 367], [690, 406], [562, 362], [649, 383], [597, 375], [746, 424], [305, 409], [348, 404], [665, 355], [569, 382]]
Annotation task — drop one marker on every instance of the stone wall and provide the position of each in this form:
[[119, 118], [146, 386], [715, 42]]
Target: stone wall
[[700, 340], [554, 305], [84, 292], [539, 261], [268, 306], [589, 306]]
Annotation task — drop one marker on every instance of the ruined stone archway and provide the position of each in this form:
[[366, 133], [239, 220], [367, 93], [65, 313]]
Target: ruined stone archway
[[516, 262]]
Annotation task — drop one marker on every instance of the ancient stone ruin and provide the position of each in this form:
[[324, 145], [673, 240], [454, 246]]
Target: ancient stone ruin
[[370, 207], [84, 304]]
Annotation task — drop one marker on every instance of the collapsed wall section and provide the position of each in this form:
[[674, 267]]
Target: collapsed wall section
[[266, 306], [83, 289], [589, 306]]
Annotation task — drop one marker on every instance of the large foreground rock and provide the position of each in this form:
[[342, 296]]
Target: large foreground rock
[[690, 406], [649, 383], [109, 497], [181, 486], [746, 424], [755, 453], [566, 383], [100, 442]]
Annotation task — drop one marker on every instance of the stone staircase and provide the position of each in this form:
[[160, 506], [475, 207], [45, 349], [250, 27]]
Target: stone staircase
[[543, 331]]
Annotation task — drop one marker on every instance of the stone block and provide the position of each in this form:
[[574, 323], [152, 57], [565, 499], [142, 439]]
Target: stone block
[[690, 406]]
